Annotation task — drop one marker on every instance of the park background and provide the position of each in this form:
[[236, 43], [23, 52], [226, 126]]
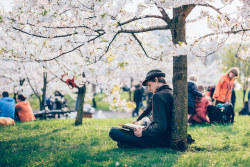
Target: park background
[[60, 143]]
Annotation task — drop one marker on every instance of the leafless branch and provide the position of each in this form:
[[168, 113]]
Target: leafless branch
[[50, 80], [139, 42], [237, 52], [40, 36], [139, 18], [70, 50], [226, 32], [1, 76], [64, 11], [164, 14], [214, 8], [207, 54], [164, 27], [34, 91], [220, 45]]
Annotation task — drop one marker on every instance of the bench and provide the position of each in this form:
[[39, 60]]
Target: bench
[[44, 114]]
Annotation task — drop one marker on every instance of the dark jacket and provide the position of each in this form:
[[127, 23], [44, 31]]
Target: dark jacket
[[160, 127], [192, 94], [137, 95], [147, 111], [233, 97]]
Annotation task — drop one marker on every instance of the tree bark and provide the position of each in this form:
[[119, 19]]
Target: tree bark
[[180, 109], [179, 116], [81, 96], [42, 102]]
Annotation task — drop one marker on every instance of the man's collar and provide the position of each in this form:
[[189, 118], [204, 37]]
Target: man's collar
[[163, 87]]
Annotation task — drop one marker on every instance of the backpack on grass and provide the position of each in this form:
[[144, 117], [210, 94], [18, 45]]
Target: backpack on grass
[[221, 113]]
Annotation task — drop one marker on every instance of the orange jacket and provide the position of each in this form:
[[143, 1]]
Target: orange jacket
[[25, 112], [223, 90]]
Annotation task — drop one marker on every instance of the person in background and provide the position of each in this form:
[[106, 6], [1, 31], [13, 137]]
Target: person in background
[[192, 94], [201, 104], [245, 109], [137, 100], [224, 87], [248, 101], [23, 109], [233, 97], [212, 92], [7, 106]]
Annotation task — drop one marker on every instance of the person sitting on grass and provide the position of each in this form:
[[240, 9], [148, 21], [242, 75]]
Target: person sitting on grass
[[157, 133], [23, 109], [192, 94], [7, 106], [201, 104], [245, 109]]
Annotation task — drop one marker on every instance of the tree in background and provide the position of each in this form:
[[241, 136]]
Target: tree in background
[[237, 55]]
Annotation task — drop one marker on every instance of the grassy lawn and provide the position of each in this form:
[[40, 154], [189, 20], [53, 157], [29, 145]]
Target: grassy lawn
[[59, 143]]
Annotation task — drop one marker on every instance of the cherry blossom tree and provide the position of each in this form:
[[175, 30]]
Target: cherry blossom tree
[[109, 37]]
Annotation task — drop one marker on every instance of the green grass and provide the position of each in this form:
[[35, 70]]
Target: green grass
[[60, 143]]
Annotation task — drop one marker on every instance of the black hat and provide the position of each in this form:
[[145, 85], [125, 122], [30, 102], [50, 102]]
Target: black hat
[[151, 74]]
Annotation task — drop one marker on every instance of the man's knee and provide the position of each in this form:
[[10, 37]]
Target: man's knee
[[113, 133]]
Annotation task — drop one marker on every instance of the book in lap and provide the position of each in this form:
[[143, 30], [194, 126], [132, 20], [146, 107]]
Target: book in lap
[[130, 126]]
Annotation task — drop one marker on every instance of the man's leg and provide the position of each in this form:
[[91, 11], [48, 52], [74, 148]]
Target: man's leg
[[125, 138], [136, 110]]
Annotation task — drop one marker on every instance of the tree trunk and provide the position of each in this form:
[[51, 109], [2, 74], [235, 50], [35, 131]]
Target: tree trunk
[[81, 96], [180, 92], [42, 102], [179, 116]]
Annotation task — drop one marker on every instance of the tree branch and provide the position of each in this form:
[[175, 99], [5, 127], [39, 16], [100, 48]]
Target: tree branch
[[142, 46], [139, 18], [164, 27], [50, 80], [212, 7], [164, 14], [226, 32], [71, 50], [34, 91], [1, 76], [40, 36]]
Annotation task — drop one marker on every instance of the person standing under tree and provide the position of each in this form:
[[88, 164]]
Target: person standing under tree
[[224, 87], [233, 97], [137, 100]]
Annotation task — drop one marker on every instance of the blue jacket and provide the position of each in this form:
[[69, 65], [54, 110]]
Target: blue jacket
[[192, 93], [7, 107]]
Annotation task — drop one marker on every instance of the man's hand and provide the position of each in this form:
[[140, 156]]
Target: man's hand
[[138, 132], [134, 122]]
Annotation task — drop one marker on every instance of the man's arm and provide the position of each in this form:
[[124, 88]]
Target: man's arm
[[159, 124], [195, 91], [146, 111]]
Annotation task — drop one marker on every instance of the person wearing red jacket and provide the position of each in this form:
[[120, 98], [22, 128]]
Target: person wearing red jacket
[[201, 104], [223, 90]]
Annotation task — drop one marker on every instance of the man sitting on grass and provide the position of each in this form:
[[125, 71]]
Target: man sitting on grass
[[7, 106], [157, 134]]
